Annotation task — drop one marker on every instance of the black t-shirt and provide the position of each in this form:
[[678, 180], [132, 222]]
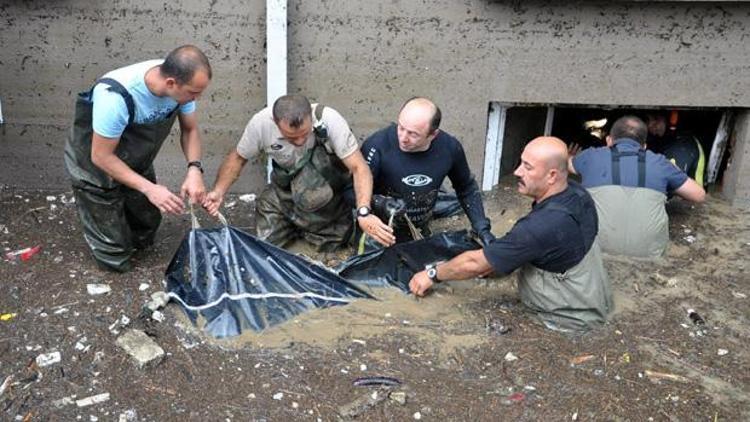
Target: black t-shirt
[[554, 236], [416, 176]]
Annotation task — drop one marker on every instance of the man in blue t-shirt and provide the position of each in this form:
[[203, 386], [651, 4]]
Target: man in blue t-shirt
[[630, 185], [119, 127], [562, 275], [409, 161]]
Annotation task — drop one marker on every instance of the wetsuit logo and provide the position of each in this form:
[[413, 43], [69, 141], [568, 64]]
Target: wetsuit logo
[[417, 180]]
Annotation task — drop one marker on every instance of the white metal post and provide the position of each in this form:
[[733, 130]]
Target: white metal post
[[718, 147], [549, 121], [276, 46], [493, 148]]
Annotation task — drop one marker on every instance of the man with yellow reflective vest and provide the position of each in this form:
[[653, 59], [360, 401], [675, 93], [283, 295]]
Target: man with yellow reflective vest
[[683, 149]]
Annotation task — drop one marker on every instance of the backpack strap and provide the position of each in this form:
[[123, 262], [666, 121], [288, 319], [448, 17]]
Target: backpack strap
[[319, 128], [117, 87]]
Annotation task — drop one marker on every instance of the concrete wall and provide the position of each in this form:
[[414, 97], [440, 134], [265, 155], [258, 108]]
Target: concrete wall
[[738, 170], [364, 58], [53, 50]]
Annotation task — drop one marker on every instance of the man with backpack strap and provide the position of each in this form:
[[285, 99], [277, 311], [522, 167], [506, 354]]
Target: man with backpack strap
[[119, 127], [315, 156]]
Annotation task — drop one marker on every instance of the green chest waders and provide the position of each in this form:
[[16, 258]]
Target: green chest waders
[[115, 218], [577, 299], [307, 200], [632, 220]]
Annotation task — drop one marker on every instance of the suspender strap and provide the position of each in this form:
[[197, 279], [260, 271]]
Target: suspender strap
[[616, 165], [117, 87], [641, 168]]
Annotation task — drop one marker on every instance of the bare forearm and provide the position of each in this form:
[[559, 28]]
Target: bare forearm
[[363, 187], [118, 170], [465, 266], [229, 172], [191, 144]]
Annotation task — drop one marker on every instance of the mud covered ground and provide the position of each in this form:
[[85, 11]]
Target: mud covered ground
[[466, 352]]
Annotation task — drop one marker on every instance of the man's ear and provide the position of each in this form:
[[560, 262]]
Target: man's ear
[[609, 141], [554, 174], [171, 83]]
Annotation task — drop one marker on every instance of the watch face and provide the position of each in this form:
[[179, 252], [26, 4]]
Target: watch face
[[363, 211], [432, 273]]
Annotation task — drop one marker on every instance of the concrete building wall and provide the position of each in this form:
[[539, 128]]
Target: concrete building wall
[[364, 58], [738, 170]]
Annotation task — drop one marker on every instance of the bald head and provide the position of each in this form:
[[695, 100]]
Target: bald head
[[421, 110], [418, 123], [544, 168], [552, 151]]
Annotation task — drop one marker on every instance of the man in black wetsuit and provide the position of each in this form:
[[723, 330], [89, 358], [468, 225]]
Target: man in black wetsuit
[[409, 161]]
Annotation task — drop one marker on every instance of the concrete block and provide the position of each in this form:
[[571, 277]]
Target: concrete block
[[141, 347]]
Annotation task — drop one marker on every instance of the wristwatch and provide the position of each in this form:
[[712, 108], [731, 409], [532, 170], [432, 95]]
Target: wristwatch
[[363, 211], [432, 273], [195, 164]]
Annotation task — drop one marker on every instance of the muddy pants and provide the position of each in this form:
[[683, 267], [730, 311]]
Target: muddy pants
[[115, 218], [116, 222], [280, 220]]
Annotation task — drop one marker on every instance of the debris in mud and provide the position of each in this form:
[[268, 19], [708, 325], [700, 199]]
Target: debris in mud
[[8, 316], [23, 254], [398, 397], [6, 384], [96, 289], [495, 326], [65, 401], [362, 404], [514, 398], [657, 376], [581, 359], [510, 357], [141, 347], [722, 352], [47, 359], [88, 401], [376, 381], [697, 319]]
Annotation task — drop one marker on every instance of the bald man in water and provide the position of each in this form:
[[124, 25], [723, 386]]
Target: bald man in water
[[561, 276], [409, 161]]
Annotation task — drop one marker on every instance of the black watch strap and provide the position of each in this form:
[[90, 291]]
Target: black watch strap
[[195, 164], [432, 273]]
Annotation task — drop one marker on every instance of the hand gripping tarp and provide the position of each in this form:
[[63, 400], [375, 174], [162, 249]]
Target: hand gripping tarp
[[236, 281], [396, 265]]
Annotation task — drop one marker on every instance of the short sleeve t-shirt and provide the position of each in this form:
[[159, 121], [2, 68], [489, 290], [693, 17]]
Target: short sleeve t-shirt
[[555, 236], [261, 135], [595, 167], [110, 113]]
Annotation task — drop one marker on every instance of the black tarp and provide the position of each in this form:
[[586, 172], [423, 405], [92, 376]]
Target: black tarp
[[394, 266], [236, 281]]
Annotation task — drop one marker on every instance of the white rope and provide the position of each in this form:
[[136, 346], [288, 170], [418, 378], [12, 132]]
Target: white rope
[[256, 296]]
